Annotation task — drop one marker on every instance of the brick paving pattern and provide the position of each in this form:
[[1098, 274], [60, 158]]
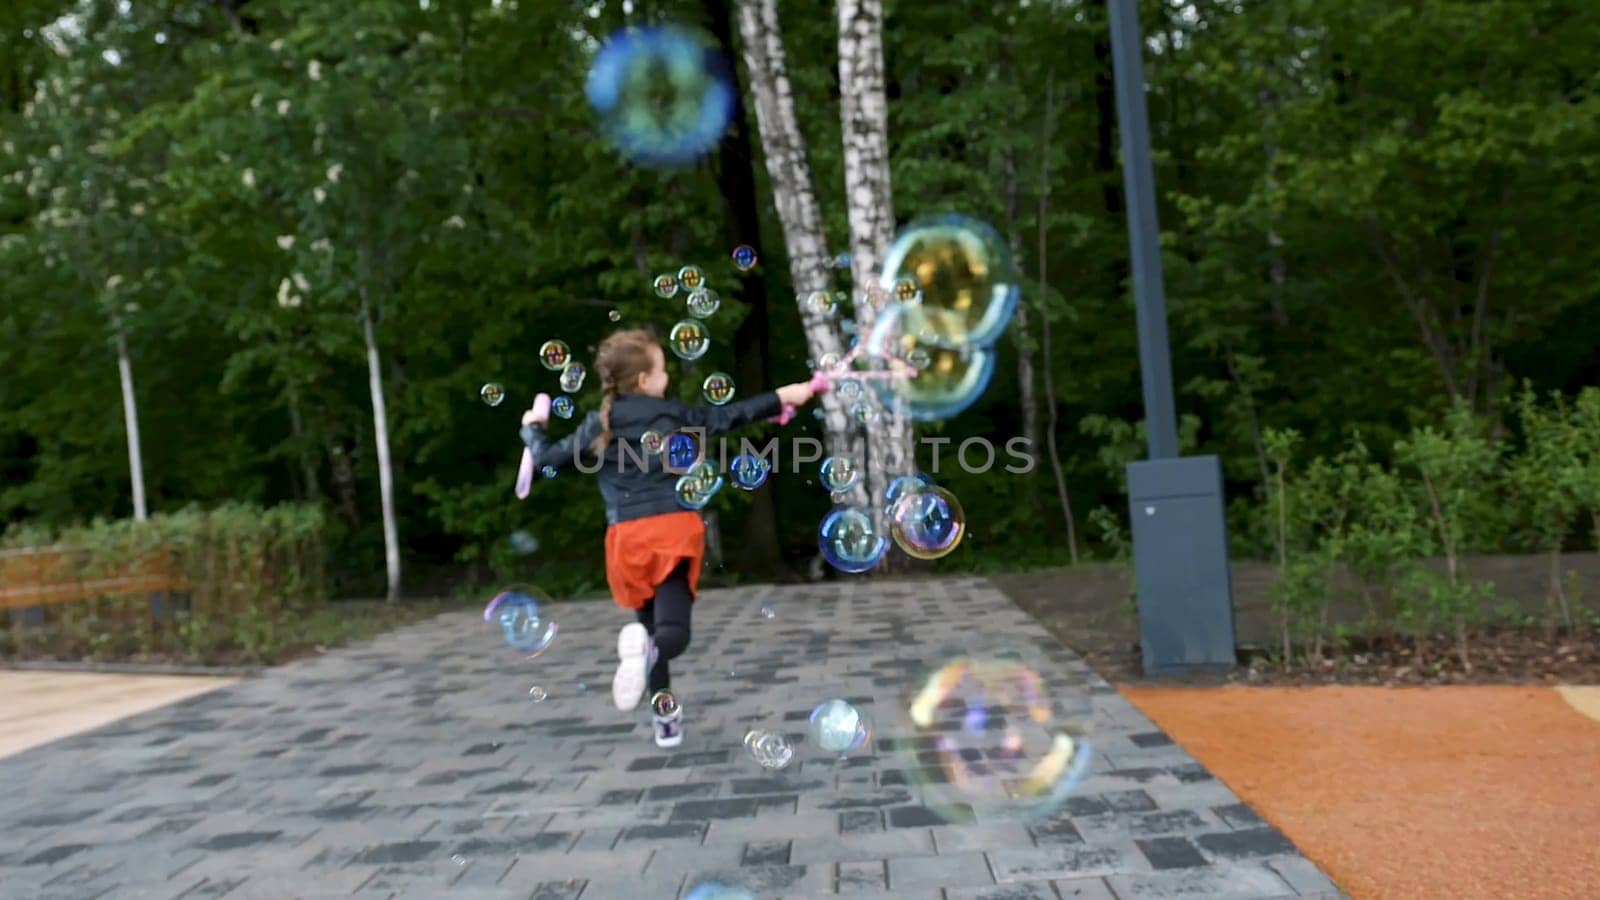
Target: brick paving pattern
[[416, 765]]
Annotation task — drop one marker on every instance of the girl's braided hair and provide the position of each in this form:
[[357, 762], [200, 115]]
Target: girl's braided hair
[[623, 357]]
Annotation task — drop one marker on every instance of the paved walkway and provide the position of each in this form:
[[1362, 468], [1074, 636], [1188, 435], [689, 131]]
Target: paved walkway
[[417, 766]]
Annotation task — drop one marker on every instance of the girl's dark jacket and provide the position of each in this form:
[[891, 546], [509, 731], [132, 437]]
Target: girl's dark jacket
[[635, 483]]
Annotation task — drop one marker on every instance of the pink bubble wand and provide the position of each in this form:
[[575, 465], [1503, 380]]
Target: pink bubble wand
[[822, 380]]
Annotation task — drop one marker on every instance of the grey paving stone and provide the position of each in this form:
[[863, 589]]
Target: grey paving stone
[[412, 766]]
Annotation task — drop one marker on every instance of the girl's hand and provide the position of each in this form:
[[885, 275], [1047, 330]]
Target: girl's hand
[[532, 418], [798, 394]]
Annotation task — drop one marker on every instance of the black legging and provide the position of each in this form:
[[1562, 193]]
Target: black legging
[[666, 617]]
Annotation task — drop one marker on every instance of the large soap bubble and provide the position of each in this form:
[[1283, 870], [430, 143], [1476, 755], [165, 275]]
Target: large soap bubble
[[517, 617], [850, 541], [999, 743], [962, 267], [663, 95], [924, 365], [927, 522]]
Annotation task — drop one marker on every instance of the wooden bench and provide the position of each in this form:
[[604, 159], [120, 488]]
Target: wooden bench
[[34, 578]]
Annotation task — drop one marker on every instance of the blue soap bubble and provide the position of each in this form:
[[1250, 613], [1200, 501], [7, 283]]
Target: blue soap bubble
[[663, 96], [749, 471], [547, 471], [927, 523], [838, 727], [934, 371], [839, 473], [744, 257], [683, 451], [849, 540], [520, 620], [563, 406]]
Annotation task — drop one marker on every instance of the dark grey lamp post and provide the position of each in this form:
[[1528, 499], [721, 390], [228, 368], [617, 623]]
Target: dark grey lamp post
[[1180, 537]]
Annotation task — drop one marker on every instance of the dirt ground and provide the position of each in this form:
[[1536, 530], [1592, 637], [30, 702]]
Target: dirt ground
[[1445, 792], [1091, 610]]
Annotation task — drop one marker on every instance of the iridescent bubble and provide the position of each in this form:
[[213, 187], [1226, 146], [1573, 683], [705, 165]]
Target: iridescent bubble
[[861, 413], [572, 377], [691, 277], [749, 471], [690, 494], [768, 612], [848, 389], [930, 371], [838, 474], [744, 257], [900, 486], [683, 451], [614, 315], [963, 268], [718, 388], [927, 523], [492, 393], [689, 339], [905, 290], [820, 303], [769, 749], [555, 355], [651, 442], [523, 543], [666, 285], [547, 471], [838, 727], [828, 361], [703, 302], [842, 261], [1001, 745], [717, 890], [664, 704], [563, 406], [520, 620], [849, 540], [536, 693], [663, 96]]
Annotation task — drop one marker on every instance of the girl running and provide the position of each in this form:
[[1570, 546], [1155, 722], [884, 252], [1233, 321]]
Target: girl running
[[654, 547]]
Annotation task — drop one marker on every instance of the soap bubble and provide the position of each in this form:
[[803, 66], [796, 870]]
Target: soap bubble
[[663, 96], [862, 413], [697, 486], [703, 302], [664, 704], [689, 339], [572, 377], [935, 375], [820, 303], [838, 727], [683, 451], [962, 268], [927, 523], [523, 543], [548, 471], [665, 285], [651, 442], [749, 471], [716, 890], [555, 355], [536, 693], [691, 277], [492, 393], [614, 315], [842, 261], [520, 620], [838, 474], [718, 388], [900, 486], [848, 389], [744, 257], [768, 612], [563, 406], [1000, 745], [768, 748], [828, 361], [849, 540]]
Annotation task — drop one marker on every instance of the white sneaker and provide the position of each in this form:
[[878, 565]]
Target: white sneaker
[[636, 654], [669, 730]]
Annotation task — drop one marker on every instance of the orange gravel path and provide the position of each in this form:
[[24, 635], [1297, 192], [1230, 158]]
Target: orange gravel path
[[1449, 792]]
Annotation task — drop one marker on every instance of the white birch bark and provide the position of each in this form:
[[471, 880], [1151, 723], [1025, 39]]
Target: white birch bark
[[810, 266], [864, 116], [130, 417], [380, 429]]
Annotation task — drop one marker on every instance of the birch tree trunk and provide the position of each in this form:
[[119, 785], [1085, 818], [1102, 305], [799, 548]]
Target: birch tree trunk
[[789, 168], [864, 115], [380, 429], [130, 416]]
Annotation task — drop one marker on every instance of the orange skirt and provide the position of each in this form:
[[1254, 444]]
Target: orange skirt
[[641, 553]]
